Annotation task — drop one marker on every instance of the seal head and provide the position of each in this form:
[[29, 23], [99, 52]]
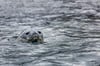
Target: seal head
[[31, 36]]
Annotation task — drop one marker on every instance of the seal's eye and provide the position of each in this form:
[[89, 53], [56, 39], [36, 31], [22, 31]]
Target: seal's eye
[[39, 32], [27, 33]]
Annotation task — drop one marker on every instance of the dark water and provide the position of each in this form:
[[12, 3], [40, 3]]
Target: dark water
[[71, 31]]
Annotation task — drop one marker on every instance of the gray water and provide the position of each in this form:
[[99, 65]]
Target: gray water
[[71, 31]]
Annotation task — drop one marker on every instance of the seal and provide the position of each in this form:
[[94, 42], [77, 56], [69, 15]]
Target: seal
[[31, 35]]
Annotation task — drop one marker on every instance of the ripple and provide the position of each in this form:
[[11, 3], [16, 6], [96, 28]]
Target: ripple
[[71, 32]]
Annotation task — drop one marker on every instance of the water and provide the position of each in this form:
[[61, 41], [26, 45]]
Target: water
[[71, 31]]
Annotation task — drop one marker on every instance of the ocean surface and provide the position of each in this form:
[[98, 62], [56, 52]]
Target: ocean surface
[[71, 30]]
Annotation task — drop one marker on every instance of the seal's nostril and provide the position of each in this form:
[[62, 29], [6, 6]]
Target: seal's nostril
[[39, 32], [27, 33]]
